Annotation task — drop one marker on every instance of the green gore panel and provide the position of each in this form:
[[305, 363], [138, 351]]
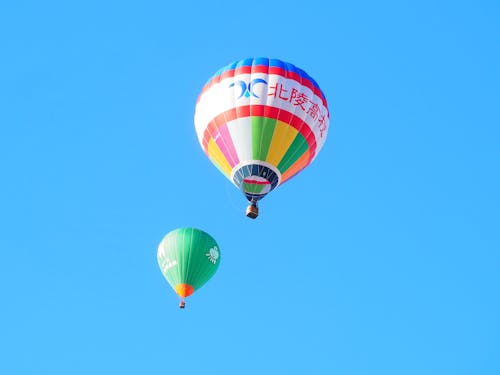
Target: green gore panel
[[262, 135], [294, 152], [188, 256], [253, 188]]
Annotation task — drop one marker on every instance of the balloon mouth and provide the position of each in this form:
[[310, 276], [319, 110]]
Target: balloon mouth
[[255, 185], [255, 179], [184, 290]]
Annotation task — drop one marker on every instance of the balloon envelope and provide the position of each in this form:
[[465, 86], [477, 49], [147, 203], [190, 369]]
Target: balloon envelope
[[188, 258], [261, 121]]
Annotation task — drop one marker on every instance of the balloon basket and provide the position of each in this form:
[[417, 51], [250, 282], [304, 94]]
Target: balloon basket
[[252, 211], [182, 304]]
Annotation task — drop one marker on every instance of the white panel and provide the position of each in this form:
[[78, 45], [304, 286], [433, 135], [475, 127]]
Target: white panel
[[241, 133]]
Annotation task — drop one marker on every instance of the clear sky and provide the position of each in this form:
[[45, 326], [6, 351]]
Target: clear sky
[[381, 258]]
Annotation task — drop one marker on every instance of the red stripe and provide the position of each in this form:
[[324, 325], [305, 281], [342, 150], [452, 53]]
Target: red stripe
[[243, 70], [242, 111], [226, 74], [256, 182], [257, 110], [260, 69], [264, 111]]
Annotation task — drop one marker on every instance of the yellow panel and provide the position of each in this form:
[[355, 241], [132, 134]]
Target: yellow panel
[[283, 137], [218, 158]]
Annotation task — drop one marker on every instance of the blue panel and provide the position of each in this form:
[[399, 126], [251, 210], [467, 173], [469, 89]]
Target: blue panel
[[277, 63], [261, 61]]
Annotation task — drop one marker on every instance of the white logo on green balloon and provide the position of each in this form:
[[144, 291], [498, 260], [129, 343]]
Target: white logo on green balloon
[[213, 254]]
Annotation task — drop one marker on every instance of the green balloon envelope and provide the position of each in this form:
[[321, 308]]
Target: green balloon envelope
[[188, 258]]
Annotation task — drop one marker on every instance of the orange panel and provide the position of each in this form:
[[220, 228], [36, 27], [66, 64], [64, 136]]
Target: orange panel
[[296, 167]]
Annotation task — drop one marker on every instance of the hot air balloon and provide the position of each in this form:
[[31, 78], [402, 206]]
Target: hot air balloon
[[261, 121], [188, 258]]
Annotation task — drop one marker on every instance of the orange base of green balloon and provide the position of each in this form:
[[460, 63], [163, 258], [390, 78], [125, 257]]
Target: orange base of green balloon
[[184, 290]]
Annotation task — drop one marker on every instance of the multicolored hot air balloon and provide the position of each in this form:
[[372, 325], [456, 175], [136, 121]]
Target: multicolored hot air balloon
[[188, 258], [261, 121]]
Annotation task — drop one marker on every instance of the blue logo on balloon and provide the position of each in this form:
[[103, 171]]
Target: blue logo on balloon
[[247, 90]]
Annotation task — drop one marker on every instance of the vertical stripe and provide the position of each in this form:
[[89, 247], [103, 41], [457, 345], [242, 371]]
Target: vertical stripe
[[241, 134], [257, 125], [217, 157], [262, 134], [225, 143], [283, 137], [298, 147]]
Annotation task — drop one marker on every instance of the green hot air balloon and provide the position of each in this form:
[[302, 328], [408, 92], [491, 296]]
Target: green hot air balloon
[[188, 258]]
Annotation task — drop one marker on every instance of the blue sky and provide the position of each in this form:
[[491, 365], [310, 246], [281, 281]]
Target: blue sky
[[381, 258]]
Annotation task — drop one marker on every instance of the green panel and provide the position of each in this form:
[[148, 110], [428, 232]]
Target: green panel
[[262, 134], [294, 152], [188, 256], [253, 188]]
